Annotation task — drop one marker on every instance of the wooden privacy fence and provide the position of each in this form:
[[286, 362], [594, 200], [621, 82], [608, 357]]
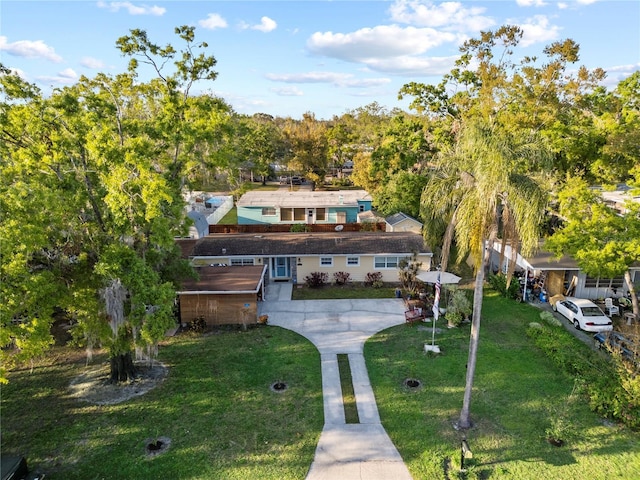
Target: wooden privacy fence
[[286, 227]]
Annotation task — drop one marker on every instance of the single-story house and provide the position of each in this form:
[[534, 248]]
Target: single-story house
[[293, 256], [401, 222], [563, 275], [302, 206], [222, 295]]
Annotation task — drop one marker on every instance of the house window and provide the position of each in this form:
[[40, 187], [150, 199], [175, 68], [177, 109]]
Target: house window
[[286, 214], [361, 207], [387, 262], [321, 214], [299, 215], [592, 282], [353, 261], [242, 261], [293, 214], [326, 261], [268, 211]]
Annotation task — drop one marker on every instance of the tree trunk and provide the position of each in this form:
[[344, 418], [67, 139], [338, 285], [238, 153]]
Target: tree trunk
[[464, 422], [122, 368], [632, 291]]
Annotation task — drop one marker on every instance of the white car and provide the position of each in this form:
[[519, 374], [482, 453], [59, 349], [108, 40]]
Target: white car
[[584, 314]]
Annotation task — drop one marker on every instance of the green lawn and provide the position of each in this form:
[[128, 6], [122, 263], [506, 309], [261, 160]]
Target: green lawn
[[517, 393], [231, 218], [225, 422], [216, 406]]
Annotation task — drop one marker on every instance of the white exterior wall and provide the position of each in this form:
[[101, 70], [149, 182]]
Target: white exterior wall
[[308, 265], [406, 225]]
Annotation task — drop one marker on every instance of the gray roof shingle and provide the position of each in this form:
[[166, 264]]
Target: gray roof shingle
[[332, 243]]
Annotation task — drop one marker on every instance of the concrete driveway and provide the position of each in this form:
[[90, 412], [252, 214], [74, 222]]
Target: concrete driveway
[[361, 451]]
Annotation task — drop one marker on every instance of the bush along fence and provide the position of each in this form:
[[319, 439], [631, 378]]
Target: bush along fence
[[611, 386]]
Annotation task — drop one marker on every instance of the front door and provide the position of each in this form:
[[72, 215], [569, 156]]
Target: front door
[[280, 268]]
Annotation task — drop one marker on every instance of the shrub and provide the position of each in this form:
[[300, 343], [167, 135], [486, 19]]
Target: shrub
[[368, 227], [499, 284], [408, 269], [550, 319], [373, 279], [299, 228], [316, 279], [613, 391], [459, 306], [198, 324], [340, 278]]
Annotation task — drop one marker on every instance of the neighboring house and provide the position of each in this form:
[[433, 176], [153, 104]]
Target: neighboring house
[[222, 295], [562, 275], [293, 256], [401, 222], [302, 206], [617, 199], [206, 209]]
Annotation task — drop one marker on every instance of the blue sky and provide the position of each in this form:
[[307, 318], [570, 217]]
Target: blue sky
[[286, 58]]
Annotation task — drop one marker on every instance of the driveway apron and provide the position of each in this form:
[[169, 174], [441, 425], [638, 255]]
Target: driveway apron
[[361, 451]]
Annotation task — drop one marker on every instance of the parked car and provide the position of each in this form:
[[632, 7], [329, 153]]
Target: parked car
[[584, 314], [295, 180], [617, 342], [284, 179]]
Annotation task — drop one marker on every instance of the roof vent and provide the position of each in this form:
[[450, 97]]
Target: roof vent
[[224, 250]]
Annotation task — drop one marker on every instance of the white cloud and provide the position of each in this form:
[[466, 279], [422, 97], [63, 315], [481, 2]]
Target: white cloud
[[574, 4], [378, 42], [626, 69], [133, 9], [531, 3], [65, 77], [29, 49], [288, 91], [446, 15], [213, 21], [538, 29], [618, 73], [414, 66], [333, 78], [266, 25], [92, 63]]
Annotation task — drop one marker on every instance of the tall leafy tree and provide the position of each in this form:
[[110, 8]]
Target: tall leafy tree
[[112, 152], [618, 119], [479, 188], [552, 97], [307, 141], [260, 143]]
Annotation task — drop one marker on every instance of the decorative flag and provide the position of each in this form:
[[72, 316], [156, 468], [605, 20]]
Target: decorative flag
[[436, 301]]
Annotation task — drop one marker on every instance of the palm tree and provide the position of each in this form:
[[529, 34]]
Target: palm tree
[[479, 192]]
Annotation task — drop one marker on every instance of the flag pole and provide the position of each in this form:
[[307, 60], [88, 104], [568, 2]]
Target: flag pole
[[436, 314]]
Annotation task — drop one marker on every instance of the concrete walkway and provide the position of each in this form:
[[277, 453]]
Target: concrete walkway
[[360, 451]]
